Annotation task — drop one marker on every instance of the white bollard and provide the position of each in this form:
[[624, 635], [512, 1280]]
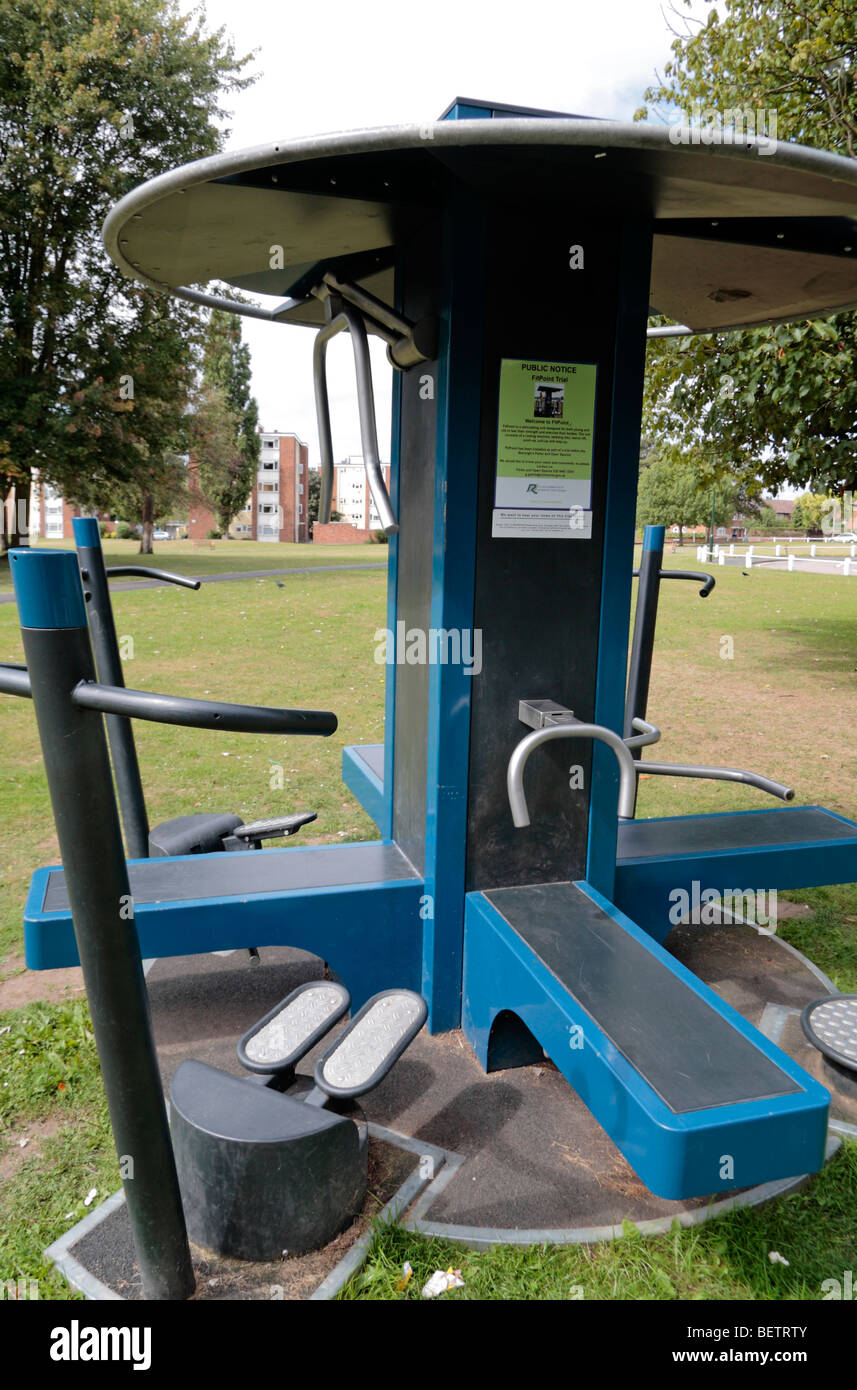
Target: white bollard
[[732, 550], [750, 558], [791, 563], [716, 551], [812, 552], [778, 550], [721, 559], [846, 566], [854, 552]]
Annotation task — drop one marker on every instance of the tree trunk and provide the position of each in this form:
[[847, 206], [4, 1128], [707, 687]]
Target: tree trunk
[[681, 535], [148, 519], [20, 533]]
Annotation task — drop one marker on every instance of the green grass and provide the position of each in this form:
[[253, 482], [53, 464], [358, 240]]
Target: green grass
[[724, 1259], [781, 703], [184, 557]]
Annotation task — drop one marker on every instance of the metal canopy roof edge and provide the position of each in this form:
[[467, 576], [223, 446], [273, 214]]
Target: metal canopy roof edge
[[581, 133]]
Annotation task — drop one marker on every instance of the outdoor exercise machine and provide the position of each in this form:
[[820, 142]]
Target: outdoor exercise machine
[[206, 832], [283, 1164], [537, 246]]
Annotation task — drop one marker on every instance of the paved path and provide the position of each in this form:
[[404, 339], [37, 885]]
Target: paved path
[[120, 586]]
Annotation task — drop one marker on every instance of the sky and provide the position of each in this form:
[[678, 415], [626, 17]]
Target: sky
[[338, 66]]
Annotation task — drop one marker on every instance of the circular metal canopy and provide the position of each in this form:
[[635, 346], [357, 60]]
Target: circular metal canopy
[[747, 231]]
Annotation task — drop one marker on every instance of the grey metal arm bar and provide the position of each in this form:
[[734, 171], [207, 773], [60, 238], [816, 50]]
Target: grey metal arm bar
[[201, 714], [718, 774], [348, 319], [15, 680], [648, 734], [707, 580], [518, 761], [165, 576]]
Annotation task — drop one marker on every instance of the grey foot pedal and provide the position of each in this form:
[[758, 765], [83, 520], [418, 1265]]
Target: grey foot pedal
[[374, 1039], [278, 1041], [254, 832], [831, 1026]]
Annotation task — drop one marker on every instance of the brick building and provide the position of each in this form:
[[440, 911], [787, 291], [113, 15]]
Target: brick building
[[276, 509]]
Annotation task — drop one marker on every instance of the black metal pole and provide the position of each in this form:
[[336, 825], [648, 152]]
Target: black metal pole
[[643, 643], [59, 657], [123, 749]]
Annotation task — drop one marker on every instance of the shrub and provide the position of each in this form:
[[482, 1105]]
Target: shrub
[[124, 532], [215, 536]]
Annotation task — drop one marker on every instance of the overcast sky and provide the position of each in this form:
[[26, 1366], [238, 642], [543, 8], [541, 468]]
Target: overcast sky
[[340, 66]]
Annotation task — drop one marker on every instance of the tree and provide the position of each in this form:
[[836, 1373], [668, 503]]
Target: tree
[[94, 98], [127, 432], [809, 511], [224, 430], [673, 492], [778, 403]]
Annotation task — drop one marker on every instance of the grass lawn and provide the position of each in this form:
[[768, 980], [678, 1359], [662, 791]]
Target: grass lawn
[[763, 674], [220, 557]]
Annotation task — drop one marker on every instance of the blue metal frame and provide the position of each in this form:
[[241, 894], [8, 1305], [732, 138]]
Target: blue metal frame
[[366, 785], [643, 884], [452, 607], [336, 923], [676, 1155], [629, 358]]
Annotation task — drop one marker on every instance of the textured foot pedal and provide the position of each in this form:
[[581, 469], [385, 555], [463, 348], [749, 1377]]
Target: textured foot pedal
[[278, 1041], [375, 1039], [831, 1026]]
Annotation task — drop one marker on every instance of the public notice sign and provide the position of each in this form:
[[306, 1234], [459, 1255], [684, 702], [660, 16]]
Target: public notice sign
[[545, 431]]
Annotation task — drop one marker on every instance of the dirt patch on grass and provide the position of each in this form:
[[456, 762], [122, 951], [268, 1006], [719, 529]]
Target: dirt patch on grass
[[22, 1142], [21, 986], [107, 1250]]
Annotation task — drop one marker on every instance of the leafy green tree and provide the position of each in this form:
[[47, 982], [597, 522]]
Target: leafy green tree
[[777, 404], [124, 445], [809, 511], [673, 491], [224, 433], [95, 98]]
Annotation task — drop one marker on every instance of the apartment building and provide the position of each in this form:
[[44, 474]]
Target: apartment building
[[50, 515], [351, 495], [276, 509]]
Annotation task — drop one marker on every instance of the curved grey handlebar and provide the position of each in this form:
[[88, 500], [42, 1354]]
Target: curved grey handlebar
[[144, 572], [646, 735], [348, 319], [201, 714], [718, 774], [707, 580], [518, 761]]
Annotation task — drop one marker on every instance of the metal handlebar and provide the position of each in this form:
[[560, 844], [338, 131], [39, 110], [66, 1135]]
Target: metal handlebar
[[518, 760], [349, 319], [647, 734], [718, 774], [15, 680], [201, 714], [694, 575], [165, 576]]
